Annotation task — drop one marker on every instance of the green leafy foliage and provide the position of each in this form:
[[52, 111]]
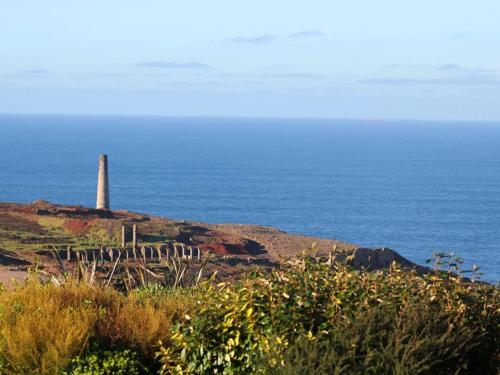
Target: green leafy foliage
[[106, 362], [417, 340], [378, 322]]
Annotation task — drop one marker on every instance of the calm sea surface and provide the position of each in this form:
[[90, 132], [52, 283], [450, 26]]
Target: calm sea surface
[[416, 187]]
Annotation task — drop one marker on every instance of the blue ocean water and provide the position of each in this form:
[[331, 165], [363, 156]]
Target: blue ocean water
[[416, 187]]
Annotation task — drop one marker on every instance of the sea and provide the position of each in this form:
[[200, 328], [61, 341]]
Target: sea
[[417, 187]]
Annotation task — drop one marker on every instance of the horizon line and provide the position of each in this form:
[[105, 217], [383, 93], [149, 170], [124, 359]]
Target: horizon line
[[366, 119]]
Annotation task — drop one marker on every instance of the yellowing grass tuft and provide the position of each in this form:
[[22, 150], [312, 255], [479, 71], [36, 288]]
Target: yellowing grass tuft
[[40, 332], [43, 327], [140, 323]]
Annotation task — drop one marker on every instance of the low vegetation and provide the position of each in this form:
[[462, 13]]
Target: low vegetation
[[307, 318], [43, 327]]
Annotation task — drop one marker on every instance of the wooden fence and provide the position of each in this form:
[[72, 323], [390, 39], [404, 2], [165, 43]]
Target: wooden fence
[[155, 253]]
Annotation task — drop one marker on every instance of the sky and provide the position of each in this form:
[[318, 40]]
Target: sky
[[366, 59]]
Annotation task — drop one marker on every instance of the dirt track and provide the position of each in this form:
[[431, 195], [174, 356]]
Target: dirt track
[[7, 275]]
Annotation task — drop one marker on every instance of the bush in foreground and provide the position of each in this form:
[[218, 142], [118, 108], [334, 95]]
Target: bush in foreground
[[44, 327], [397, 322], [307, 318], [418, 340]]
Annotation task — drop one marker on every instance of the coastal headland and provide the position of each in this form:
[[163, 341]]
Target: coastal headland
[[29, 232]]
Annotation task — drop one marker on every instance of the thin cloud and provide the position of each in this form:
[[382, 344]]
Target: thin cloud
[[291, 75], [271, 75], [33, 72], [388, 81], [172, 65], [472, 81], [306, 34], [451, 67], [448, 67], [460, 69], [261, 39], [271, 38]]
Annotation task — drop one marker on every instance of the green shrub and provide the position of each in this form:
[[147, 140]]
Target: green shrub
[[418, 340], [233, 326], [123, 362]]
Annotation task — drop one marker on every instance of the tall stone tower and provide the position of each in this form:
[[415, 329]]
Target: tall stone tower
[[103, 184]]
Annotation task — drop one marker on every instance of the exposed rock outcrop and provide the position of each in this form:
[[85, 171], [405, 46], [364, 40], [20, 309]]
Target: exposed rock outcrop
[[372, 259]]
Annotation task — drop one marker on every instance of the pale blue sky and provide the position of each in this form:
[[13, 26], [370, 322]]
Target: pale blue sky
[[363, 59]]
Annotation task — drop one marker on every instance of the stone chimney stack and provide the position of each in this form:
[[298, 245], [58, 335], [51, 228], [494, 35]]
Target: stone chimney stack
[[102, 184]]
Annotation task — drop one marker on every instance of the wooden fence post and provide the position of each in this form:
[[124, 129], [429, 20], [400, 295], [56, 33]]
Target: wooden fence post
[[124, 229], [134, 235]]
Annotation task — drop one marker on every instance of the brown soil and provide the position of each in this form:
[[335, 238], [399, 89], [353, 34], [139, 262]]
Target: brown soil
[[12, 268], [280, 244], [9, 276], [223, 249]]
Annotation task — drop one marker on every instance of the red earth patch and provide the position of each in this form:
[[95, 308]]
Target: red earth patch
[[77, 226]]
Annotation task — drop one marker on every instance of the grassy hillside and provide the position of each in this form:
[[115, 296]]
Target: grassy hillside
[[37, 226]]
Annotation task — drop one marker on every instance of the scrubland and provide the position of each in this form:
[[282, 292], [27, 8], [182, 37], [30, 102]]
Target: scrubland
[[309, 317]]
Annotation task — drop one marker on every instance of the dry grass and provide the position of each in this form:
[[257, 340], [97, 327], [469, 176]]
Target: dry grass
[[42, 327], [140, 322]]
